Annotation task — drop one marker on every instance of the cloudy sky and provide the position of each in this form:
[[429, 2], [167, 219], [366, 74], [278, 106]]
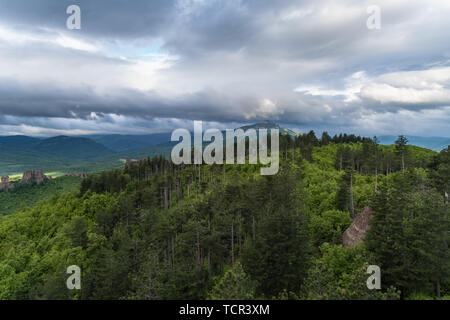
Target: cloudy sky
[[147, 66]]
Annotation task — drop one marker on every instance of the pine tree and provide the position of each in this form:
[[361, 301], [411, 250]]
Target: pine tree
[[409, 235], [401, 150], [235, 284]]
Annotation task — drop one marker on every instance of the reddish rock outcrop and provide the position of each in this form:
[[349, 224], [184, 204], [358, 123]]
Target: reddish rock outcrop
[[29, 176], [36, 176], [129, 163], [357, 230], [5, 184], [79, 175]]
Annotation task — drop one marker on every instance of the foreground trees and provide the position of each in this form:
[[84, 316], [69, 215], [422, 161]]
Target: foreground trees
[[160, 231], [409, 235], [340, 274], [278, 258]]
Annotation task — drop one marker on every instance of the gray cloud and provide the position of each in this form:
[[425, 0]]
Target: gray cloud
[[112, 19], [308, 64]]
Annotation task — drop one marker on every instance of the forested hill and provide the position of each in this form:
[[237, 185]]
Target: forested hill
[[29, 194], [160, 231]]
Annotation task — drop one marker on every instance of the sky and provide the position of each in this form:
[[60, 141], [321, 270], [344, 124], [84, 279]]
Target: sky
[[145, 66]]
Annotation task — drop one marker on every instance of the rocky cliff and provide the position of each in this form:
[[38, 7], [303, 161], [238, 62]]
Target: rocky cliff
[[5, 184], [357, 230], [36, 176]]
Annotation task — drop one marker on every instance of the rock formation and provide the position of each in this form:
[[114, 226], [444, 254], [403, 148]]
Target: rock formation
[[79, 175], [6, 184], [36, 176], [357, 230], [129, 163], [29, 176]]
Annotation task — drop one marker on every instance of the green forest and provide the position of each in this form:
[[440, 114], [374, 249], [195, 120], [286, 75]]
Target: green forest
[[155, 230], [28, 195]]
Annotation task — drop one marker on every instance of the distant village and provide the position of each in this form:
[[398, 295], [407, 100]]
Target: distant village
[[32, 176]]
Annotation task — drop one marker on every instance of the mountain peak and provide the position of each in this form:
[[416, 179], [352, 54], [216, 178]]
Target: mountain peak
[[267, 124]]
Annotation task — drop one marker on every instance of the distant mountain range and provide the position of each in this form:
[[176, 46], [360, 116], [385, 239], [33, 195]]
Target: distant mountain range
[[73, 147], [61, 146], [121, 143], [124, 143], [102, 152], [18, 141]]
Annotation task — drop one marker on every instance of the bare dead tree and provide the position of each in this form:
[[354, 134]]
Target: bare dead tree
[[232, 244], [352, 205], [166, 202]]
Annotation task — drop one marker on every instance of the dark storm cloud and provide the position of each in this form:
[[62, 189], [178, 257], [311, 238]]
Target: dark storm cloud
[[101, 18]]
